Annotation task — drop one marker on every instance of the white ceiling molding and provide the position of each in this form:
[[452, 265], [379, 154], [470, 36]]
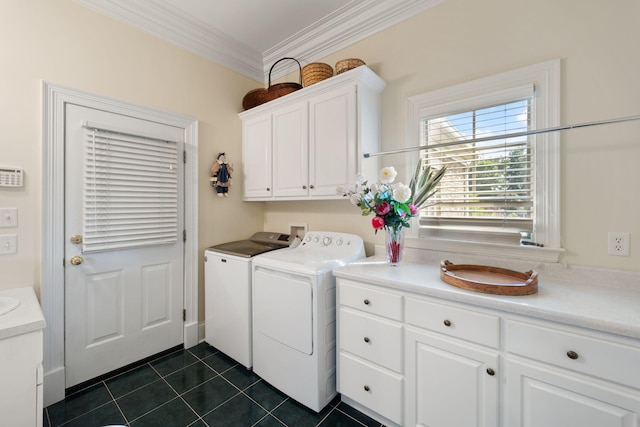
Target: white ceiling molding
[[347, 25], [344, 27]]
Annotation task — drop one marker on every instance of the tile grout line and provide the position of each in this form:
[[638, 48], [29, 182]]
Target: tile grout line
[[124, 417], [199, 418]]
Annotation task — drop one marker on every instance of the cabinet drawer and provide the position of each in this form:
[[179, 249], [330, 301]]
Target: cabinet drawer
[[376, 389], [586, 354], [374, 339], [456, 322], [370, 300]]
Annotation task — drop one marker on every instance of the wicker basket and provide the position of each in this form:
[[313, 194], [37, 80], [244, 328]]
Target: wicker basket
[[316, 72], [253, 98], [281, 89], [348, 64]]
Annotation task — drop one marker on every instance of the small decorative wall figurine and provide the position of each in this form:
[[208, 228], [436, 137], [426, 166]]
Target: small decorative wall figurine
[[221, 175]]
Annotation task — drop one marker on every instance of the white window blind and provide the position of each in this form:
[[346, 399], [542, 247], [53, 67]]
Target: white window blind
[[130, 191], [487, 183]]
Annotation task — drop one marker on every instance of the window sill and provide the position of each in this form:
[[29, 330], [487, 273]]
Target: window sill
[[531, 253]]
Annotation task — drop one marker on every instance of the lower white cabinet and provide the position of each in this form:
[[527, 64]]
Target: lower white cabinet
[[570, 377], [413, 360], [542, 396], [450, 382], [21, 383]]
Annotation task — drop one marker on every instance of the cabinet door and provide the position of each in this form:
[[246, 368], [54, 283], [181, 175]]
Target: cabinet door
[[332, 141], [541, 397], [256, 149], [450, 383], [291, 151]]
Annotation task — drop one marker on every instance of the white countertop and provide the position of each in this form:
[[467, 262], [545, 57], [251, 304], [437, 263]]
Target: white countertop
[[26, 317], [602, 306]]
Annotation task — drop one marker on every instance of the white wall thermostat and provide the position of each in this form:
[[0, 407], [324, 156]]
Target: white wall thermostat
[[10, 177]]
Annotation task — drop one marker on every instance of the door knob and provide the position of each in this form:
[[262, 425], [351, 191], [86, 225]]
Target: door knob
[[76, 260]]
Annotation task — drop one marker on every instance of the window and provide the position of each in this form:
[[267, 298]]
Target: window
[[495, 188]]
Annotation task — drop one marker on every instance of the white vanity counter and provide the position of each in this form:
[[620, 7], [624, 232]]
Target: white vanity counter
[[414, 350], [25, 317], [603, 306]]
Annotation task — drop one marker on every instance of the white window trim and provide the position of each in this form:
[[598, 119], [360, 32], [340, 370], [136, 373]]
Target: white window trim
[[545, 77]]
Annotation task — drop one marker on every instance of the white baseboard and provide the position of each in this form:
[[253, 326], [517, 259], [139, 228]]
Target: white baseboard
[[53, 386]]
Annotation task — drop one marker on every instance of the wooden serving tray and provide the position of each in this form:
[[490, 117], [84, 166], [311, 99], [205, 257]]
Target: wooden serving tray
[[489, 280]]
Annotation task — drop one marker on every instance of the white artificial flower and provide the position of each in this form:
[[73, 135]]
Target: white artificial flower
[[387, 175], [355, 199], [360, 178], [342, 190], [401, 193], [374, 188]]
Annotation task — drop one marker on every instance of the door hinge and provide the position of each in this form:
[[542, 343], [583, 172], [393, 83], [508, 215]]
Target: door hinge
[[184, 235], [184, 156], [184, 315]]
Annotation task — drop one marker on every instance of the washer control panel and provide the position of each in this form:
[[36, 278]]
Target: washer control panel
[[329, 239]]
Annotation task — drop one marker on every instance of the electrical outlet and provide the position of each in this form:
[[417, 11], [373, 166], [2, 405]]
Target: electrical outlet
[[618, 243]]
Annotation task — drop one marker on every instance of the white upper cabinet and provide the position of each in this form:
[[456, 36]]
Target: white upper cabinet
[[305, 144]]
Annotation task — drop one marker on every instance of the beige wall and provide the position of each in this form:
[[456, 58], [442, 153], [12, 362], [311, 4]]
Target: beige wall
[[67, 44], [462, 40], [64, 43]]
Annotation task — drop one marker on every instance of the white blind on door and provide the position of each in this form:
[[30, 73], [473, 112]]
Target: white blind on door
[[130, 191]]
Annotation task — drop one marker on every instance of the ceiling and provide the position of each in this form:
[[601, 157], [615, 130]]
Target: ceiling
[[248, 36]]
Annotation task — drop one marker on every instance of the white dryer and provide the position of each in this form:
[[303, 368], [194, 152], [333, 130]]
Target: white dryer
[[294, 315]]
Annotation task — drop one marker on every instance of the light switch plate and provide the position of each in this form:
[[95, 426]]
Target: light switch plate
[[8, 244], [8, 217]]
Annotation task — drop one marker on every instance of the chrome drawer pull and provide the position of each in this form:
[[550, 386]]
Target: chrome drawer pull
[[447, 323], [366, 302], [366, 339], [491, 371], [572, 355], [366, 388]]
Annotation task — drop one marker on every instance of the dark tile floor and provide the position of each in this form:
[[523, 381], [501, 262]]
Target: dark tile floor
[[196, 387]]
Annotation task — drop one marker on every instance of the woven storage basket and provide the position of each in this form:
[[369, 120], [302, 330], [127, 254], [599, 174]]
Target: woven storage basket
[[315, 72], [348, 64], [281, 89], [253, 98]]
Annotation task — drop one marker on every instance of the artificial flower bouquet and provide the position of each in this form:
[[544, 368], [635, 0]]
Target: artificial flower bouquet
[[393, 204]]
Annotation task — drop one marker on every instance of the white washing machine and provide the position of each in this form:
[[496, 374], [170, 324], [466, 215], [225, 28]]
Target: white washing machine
[[294, 315], [227, 292]]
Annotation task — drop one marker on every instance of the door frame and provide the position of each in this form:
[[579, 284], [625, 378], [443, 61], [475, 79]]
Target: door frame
[[55, 97]]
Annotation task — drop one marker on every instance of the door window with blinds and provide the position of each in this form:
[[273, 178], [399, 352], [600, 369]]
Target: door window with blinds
[[487, 183], [497, 184], [130, 191]]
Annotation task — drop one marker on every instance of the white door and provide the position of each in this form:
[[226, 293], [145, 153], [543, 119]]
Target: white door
[[123, 251]]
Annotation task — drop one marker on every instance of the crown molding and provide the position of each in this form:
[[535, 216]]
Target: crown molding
[[173, 25], [346, 26], [352, 23]]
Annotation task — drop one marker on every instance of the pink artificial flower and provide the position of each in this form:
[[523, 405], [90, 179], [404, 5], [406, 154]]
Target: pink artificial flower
[[413, 208], [377, 222], [383, 208]]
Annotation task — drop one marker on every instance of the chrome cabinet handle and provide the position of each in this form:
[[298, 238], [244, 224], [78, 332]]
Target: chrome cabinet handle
[[491, 371], [366, 302], [447, 323], [366, 339], [366, 388]]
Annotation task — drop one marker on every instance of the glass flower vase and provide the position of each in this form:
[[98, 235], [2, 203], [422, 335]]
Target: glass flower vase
[[395, 245]]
